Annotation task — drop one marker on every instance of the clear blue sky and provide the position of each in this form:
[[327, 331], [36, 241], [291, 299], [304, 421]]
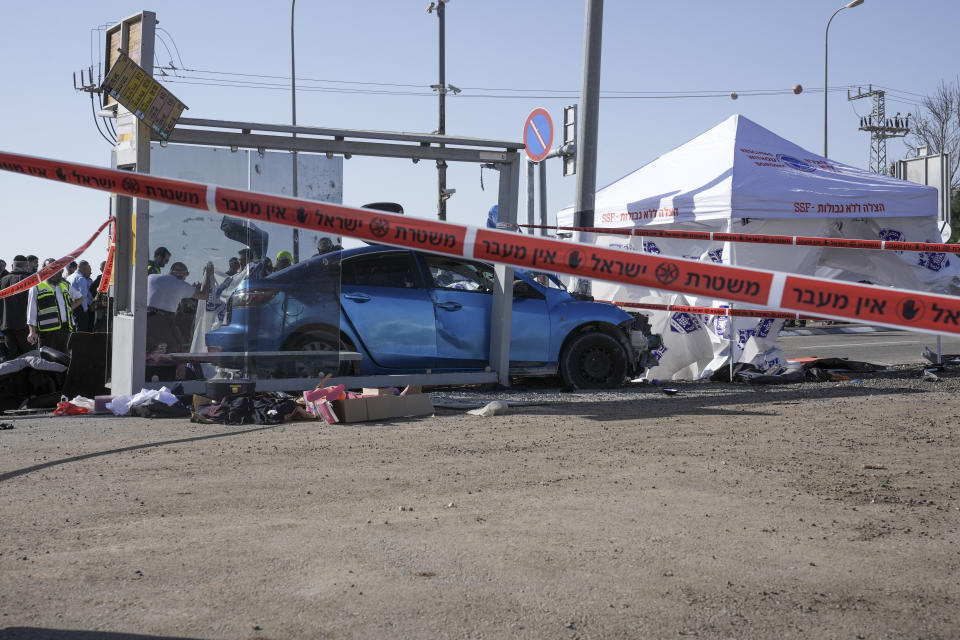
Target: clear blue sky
[[508, 56]]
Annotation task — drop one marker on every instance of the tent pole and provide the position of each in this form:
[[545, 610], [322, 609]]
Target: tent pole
[[730, 331]]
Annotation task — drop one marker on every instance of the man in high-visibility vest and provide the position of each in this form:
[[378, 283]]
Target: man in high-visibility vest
[[50, 313], [161, 256]]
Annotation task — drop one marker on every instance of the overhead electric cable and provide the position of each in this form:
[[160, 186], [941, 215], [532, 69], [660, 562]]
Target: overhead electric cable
[[93, 110], [175, 47], [212, 77]]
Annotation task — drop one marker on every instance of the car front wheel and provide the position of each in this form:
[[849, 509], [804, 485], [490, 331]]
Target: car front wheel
[[593, 361], [319, 340]]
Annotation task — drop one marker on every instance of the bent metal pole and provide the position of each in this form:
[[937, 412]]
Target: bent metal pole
[[898, 308]]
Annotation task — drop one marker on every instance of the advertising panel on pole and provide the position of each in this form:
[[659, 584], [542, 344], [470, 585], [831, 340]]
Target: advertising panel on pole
[[143, 96]]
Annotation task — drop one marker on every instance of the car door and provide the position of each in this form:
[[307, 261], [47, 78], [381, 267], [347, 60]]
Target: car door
[[462, 295], [383, 297]]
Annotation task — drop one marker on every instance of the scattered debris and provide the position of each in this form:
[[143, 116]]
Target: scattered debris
[[943, 358], [495, 408], [670, 391], [872, 466], [929, 375], [814, 370]]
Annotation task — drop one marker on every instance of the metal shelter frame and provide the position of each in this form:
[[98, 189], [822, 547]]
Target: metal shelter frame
[[129, 360]]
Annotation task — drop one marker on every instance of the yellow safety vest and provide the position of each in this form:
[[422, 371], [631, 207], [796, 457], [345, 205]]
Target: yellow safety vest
[[48, 311]]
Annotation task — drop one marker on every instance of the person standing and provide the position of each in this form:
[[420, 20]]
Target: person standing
[[14, 324], [254, 268], [164, 293], [95, 285], [161, 256], [34, 262], [325, 245], [101, 303], [284, 260], [3, 269], [50, 313], [79, 283]]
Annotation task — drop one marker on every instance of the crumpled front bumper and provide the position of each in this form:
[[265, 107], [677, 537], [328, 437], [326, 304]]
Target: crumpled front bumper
[[643, 342]]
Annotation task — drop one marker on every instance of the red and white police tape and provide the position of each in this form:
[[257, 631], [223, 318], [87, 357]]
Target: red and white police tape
[[897, 308], [757, 238], [52, 268], [107, 278], [714, 311]]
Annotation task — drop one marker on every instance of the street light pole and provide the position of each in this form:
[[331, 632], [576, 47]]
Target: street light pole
[[826, 35], [442, 124], [293, 102]]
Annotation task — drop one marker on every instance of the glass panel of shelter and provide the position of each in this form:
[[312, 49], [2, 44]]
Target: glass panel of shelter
[[225, 299]]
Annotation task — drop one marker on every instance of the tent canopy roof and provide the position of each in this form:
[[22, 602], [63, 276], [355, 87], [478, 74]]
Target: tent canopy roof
[[739, 169]]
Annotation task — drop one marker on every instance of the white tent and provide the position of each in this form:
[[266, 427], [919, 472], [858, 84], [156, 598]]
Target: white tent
[[740, 177]]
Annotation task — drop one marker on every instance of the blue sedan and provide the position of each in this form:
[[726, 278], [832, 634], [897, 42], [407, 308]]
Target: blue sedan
[[406, 312]]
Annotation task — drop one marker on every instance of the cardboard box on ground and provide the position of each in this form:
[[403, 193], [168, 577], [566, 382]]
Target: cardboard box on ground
[[335, 404], [384, 405]]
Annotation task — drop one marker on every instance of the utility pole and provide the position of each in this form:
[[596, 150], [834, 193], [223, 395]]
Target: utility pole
[[442, 193], [880, 126], [293, 103], [589, 122]]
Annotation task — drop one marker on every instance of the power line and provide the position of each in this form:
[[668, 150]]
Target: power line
[[217, 78], [163, 41], [287, 78], [93, 110], [185, 78], [175, 47], [280, 87]]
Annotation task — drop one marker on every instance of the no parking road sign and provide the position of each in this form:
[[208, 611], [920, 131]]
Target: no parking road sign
[[538, 134]]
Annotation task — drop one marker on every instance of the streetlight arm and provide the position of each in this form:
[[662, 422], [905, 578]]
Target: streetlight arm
[[826, 37]]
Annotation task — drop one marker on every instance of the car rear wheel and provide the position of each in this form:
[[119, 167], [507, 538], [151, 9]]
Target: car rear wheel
[[593, 361], [319, 340]]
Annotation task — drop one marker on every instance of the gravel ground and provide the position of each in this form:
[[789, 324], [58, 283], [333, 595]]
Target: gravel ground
[[823, 510]]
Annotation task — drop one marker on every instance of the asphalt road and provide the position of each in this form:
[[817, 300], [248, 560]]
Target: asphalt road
[[880, 347]]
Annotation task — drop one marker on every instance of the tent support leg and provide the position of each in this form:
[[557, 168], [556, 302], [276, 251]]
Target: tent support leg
[[730, 330]]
